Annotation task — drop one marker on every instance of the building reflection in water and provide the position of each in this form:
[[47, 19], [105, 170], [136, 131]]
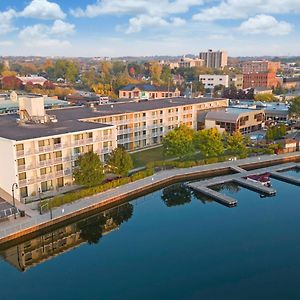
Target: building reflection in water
[[89, 230]]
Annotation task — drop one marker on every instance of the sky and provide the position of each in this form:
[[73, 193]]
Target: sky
[[149, 27]]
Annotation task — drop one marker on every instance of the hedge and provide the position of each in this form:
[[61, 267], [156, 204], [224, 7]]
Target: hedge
[[149, 171], [87, 192]]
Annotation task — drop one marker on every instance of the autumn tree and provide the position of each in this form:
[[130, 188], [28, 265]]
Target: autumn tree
[[209, 142], [179, 142], [236, 143], [155, 71], [120, 161], [89, 170]]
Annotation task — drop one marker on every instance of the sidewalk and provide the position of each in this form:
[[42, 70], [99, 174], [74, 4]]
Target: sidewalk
[[114, 195]]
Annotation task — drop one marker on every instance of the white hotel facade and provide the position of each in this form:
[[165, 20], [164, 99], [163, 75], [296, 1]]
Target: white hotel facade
[[38, 149]]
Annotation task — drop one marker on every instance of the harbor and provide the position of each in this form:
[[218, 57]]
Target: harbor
[[34, 222], [241, 178]]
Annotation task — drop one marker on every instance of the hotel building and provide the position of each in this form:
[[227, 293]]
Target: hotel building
[[38, 148]]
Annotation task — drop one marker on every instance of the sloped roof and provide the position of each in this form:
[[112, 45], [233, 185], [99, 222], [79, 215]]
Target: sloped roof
[[147, 88]]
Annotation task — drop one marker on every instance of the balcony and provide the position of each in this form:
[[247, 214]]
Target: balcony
[[67, 172], [82, 142], [23, 168], [103, 138], [45, 163], [20, 153], [58, 160], [45, 149], [57, 146]]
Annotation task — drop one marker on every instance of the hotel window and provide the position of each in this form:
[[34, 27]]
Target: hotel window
[[22, 176], [89, 135], [89, 148], [57, 141], [21, 161], [78, 137], [44, 157], [58, 154], [60, 182], [20, 147], [46, 186], [58, 168], [24, 192]]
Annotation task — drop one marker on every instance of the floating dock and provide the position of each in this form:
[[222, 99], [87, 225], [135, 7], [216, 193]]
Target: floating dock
[[285, 178], [257, 187], [218, 197], [238, 169]]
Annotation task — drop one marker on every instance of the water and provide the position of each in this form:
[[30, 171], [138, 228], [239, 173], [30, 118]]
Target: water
[[170, 244]]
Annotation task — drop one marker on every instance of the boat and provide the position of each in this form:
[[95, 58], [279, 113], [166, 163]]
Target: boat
[[263, 179]]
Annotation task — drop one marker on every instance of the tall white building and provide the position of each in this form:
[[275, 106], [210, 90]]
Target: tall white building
[[214, 59]]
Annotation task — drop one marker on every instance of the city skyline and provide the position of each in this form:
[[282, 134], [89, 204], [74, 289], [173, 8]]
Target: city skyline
[[144, 28]]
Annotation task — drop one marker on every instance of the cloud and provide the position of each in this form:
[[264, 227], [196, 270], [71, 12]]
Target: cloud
[[62, 28], [43, 9], [40, 35], [265, 24], [6, 18], [154, 13], [242, 9], [121, 7]]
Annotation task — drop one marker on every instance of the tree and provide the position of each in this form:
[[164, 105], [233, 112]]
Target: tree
[[166, 75], [155, 71], [236, 143], [264, 97], [209, 142], [294, 109], [89, 171], [120, 161], [179, 142]]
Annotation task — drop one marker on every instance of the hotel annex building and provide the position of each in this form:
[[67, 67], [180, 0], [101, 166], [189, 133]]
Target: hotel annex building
[[38, 148]]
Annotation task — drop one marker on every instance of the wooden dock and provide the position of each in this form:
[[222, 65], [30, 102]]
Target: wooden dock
[[257, 187], [218, 197], [286, 178]]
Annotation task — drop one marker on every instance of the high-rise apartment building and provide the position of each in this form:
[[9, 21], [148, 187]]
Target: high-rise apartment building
[[214, 59]]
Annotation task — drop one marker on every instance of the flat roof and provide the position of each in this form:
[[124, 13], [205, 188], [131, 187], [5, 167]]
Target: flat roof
[[69, 118], [230, 114], [104, 110], [9, 128]]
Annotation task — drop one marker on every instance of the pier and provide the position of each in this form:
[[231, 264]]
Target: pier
[[218, 197], [256, 187], [286, 178]]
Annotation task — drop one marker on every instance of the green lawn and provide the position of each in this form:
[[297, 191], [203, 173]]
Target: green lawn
[[141, 158]]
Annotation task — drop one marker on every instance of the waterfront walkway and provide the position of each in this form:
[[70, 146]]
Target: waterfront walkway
[[12, 229]]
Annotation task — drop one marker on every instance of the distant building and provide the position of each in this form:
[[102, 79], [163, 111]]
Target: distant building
[[262, 90], [32, 79], [210, 81], [235, 119], [236, 80], [290, 82], [214, 59], [190, 63], [264, 66], [83, 98], [147, 91], [260, 80]]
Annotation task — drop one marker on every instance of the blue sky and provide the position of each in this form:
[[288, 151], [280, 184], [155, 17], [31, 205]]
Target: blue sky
[[149, 27]]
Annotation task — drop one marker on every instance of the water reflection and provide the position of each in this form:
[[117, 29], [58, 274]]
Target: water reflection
[[176, 194], [231, 187], [47, 246]]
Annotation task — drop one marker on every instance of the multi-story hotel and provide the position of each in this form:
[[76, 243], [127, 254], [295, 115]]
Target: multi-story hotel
[[38, 149]]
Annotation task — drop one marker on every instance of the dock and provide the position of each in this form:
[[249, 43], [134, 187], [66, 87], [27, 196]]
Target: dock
[[286, 178], [237, 169], [256, 187], [218, 197]]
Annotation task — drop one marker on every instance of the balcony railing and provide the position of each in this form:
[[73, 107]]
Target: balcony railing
[[45, 149]]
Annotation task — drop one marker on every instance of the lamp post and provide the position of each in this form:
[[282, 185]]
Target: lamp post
[[13, 187], [40, 200]]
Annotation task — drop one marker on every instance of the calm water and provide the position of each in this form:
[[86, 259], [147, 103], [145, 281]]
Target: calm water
[[167, 245]]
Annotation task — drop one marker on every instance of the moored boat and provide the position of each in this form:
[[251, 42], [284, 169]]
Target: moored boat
[[263, 179]]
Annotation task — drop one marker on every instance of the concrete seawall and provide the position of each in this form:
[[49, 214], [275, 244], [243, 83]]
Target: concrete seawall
[[108, 199]]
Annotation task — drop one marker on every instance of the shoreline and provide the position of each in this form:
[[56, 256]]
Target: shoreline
[[125, 193]]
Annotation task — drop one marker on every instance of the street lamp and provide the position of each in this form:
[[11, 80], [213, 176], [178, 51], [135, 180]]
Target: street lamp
[[13, 187], [40, 200]]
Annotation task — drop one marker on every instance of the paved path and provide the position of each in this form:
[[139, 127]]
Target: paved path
[[9, 228]]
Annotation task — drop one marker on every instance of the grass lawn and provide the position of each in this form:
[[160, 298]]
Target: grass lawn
[[141, 158]]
